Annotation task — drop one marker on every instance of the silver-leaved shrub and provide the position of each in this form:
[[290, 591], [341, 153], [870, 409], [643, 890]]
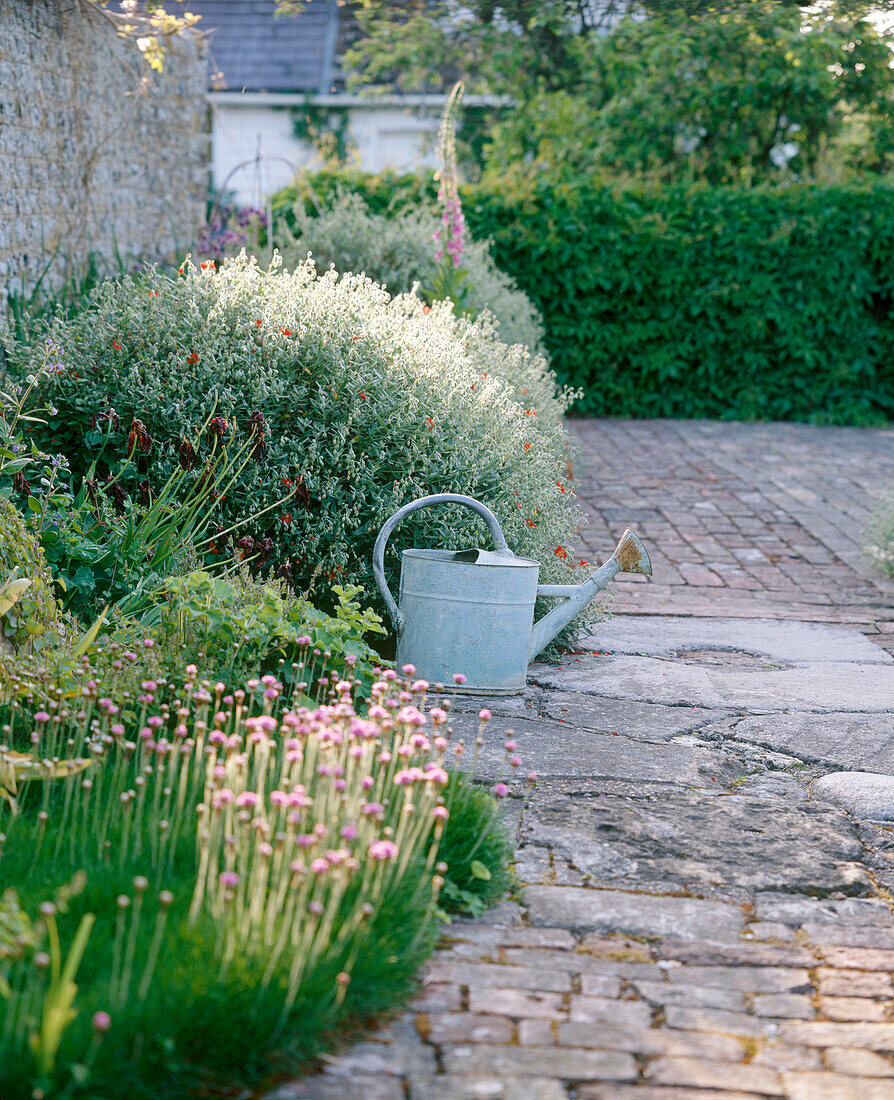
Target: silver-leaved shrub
[[398, 250], [366, 403]]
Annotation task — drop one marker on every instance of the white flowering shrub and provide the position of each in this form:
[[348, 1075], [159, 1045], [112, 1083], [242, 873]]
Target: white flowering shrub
[[358, 403], [399, 250]]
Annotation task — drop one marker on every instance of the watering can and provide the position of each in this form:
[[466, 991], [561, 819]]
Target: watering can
[[472, 611]]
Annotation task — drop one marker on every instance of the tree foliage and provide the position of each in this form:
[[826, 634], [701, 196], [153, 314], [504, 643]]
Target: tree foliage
[[728, 91]]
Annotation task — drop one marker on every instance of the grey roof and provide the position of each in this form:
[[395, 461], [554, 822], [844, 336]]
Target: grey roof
[[256, 51]]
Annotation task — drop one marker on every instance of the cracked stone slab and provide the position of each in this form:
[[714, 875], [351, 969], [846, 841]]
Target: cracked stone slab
[[806, 687], [864, 794], [641, 721], [753, 842], [667, 635], [557, 750], [863, 742], [793, 910], [635, 914]]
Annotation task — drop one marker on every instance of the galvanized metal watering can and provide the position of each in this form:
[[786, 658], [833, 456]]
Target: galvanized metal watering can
[[472, 611]]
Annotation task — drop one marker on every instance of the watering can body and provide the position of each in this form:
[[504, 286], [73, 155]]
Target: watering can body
[[472, 611]]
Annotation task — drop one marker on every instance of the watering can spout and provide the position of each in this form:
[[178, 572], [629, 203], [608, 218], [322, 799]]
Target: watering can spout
[[630, 556]]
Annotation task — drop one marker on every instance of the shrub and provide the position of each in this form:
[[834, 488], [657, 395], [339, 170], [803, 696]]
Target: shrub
[[398, 251], [730, 302], [367, 403], [230, 881], [240, 624]]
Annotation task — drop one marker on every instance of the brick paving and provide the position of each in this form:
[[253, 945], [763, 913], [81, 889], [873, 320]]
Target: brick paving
[[716, 978], [741, 519]]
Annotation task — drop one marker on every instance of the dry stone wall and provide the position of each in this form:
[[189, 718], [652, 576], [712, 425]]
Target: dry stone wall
[[99, 157]]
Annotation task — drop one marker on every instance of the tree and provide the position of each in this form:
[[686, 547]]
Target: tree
[[739, 96], [149, 25], [728, 90]]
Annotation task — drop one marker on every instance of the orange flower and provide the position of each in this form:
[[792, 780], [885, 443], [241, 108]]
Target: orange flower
[[530, 523], [286, 331], [355, 337], [287, 518], [116, 345], [258, 322], [194, 358], [426, 309], [561, 486], [561, 552], [583, 561], [527, 446], [206, 263], [430, 423]]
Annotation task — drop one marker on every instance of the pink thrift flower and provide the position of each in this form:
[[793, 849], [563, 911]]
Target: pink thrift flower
[[458, 678], [501, 790], [485, 715], [383, 849]]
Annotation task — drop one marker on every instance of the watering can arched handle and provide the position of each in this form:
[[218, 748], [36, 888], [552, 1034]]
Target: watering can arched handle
[[423, 502]]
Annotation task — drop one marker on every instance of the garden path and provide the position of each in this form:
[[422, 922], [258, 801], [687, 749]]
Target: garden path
[[707, 902]]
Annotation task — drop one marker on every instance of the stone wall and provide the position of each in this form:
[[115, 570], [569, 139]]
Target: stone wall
[[99, 157]]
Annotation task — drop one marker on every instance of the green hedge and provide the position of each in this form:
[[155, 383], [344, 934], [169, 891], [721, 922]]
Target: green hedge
[[697, 302]]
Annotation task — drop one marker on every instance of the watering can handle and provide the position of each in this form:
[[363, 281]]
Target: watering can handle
[[424, 502]]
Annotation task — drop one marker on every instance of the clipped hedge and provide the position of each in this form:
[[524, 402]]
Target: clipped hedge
[[696, 301]]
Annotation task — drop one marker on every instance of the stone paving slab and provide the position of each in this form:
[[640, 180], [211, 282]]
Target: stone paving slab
[[864, 794], [668, 635], [556, 750], [808, 686], [674, 836], [835, 739]]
